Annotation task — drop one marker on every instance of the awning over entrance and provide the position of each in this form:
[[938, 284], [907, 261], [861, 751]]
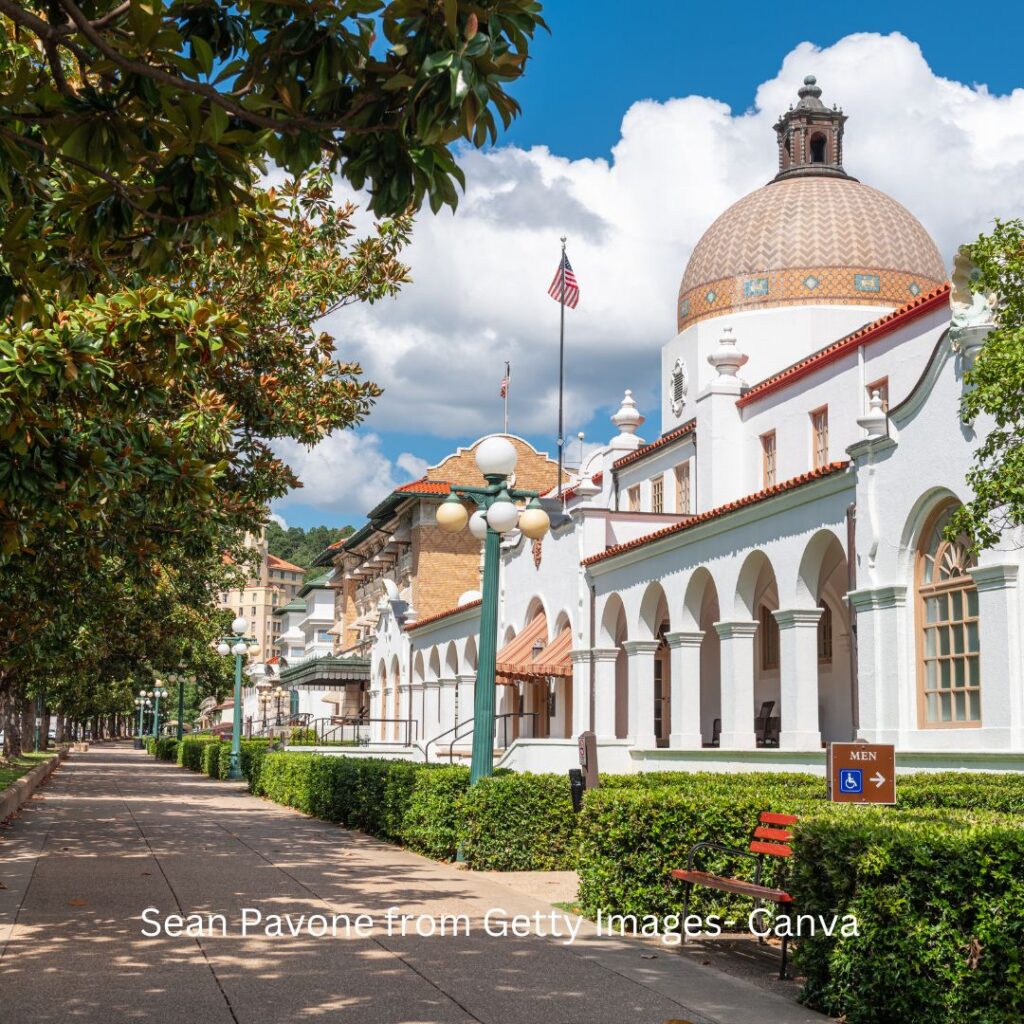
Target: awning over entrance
[[517, 660]]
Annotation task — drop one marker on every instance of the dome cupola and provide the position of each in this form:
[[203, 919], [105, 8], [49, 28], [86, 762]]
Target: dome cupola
[[813, 236]]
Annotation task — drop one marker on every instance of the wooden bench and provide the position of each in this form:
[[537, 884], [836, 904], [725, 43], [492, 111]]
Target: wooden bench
[[770, 839]]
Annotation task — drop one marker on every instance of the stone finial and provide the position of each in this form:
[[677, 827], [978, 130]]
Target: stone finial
[[727, 359], [629, 420], [875, 420]]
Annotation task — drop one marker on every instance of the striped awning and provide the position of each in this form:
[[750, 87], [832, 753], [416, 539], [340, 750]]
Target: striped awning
[[516, 660]]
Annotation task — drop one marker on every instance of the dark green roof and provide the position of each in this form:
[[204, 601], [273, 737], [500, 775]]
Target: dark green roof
[[319, 583], [294, 605], [329, 668]]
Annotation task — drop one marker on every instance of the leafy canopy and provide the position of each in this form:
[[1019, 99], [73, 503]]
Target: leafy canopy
[[995, 387], [141, 128]]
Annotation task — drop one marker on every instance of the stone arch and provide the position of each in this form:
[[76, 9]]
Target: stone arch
[[434, 664], [654, 611], [417, 667], [469, 655], [757, 598], [693, 599], [613, 614], [535, 607], [395, 710], [753, 578], [562, 622], [822, 582], [701, 610], [451, 660], [917, 521]]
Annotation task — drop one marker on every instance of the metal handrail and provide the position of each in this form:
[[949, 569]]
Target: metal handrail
[[503, 718]]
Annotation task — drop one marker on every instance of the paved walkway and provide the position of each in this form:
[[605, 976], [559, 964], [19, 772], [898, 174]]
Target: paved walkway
[[115, 832]]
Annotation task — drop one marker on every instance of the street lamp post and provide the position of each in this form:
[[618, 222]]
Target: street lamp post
[[158, 692], [279, 694], [141, 702], [240, 646], [496, 514]]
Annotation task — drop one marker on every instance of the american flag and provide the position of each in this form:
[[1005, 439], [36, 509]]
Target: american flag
[[504, 386], [572, 289]]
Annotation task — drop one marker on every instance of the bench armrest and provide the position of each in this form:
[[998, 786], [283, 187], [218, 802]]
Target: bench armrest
[[724, 849]]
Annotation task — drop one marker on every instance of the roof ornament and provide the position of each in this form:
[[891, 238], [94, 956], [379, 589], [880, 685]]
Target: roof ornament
[[875, 421], [727, 359], [973, 310], [629, 420]]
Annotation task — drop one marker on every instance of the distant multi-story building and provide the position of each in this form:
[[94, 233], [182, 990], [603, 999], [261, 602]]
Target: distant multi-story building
[[275, 583]]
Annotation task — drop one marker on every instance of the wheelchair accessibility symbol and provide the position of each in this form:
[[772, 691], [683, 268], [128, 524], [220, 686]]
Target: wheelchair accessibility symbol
[[851, 780]]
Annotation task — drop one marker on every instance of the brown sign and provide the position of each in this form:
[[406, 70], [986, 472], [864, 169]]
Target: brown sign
[[862, 773]]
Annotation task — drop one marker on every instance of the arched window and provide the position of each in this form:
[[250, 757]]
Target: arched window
[[825, 632], [947, 608], [818, 143]]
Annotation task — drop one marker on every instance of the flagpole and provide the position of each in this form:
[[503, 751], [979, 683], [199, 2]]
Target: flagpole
[[508, 384], [561, 376]]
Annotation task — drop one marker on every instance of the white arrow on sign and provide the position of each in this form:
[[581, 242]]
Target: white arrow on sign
[[878, 778]]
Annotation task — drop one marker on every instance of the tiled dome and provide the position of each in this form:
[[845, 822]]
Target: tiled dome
[[810, 240]]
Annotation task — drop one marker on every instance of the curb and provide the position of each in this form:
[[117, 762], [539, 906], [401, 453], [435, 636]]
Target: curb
[[18, 793]]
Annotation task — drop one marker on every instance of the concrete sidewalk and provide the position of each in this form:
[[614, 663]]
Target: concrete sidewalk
[[115, 833]]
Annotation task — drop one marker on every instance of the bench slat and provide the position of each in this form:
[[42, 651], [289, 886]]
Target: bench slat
[[772, 849], [770, 818], [772, 833], [761, 892]]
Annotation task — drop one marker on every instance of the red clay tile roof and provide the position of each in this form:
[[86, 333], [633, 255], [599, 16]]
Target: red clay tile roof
[[570, 492], [425, 486], [650, 449], [279, 563], [714, 513], [869, 332], [443, 615]]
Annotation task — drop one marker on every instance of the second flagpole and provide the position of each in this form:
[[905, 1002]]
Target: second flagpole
[[561, 375]]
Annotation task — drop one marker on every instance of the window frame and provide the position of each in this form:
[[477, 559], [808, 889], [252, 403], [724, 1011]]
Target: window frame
[[658, 494], [684, 495], [769, 460], [964, 585], [819, 433], [882, 386], [633, 498]]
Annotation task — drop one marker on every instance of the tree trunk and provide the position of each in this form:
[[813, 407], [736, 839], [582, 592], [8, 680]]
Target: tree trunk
[[58, 730], [12, 728], [44, 732], [28, 724]]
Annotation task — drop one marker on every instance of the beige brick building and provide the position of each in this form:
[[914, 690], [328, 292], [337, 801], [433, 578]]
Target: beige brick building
[[401, 554], [275, 583]]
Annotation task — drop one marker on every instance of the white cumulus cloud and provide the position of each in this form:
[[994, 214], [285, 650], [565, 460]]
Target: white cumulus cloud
[[950, 152]]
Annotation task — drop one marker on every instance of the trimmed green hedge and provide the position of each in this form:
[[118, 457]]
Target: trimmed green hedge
[[166, 748], [190, 750], [940, 905], [519, 822]]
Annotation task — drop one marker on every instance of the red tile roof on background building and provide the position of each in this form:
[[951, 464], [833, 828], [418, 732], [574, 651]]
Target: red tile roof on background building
[[650, 449], [570, 492], [274, 562], [714, 513], [924, 303], [425, 486], [444, 615]]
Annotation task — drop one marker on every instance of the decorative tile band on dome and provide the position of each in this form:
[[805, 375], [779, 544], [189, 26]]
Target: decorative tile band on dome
[[826, 286]]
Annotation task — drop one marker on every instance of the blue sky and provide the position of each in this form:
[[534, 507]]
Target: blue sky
[[931, 88]]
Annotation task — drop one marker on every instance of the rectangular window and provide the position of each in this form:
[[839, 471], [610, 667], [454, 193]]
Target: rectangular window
[[825, 633], [683, 488], [769, 476], [769, 630], [952, 670], [658, 494], [633, 498], [819, 436], [882, 387]]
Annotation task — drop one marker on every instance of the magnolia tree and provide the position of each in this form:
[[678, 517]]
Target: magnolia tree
[[995, 386], [160, 302]]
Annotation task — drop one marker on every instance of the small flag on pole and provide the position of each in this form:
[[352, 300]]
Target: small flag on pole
[[572, 289], [504, 386]]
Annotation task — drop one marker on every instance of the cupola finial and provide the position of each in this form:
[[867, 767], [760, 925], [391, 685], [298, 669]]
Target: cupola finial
[[810, 136]]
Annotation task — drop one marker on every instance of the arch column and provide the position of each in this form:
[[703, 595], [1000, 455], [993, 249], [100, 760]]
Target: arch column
[[431, 708], [446, 697], [465, 692], [684, 706], [737, 687], [581, 661], [605, 659], [1002, 701], [881, 675], [641, 692], [798, 674], [405, 711]]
